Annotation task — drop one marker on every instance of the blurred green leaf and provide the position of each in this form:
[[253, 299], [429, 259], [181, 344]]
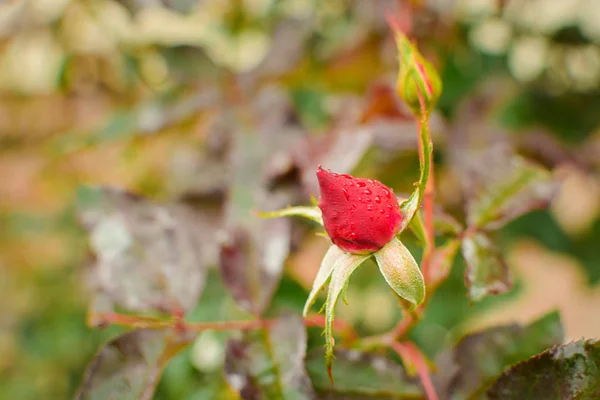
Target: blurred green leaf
[[487, 272], [269, 363], [569, 371], [481, 357], [522, 187], [442, 260], [362, 376], [129, 367]]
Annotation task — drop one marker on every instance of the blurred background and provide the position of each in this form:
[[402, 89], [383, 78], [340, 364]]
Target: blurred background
[[139, 94]]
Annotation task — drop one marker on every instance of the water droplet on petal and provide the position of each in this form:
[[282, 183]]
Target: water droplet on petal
[[371, 181], [386, 193], [360, 199], [352, 235], [381, 211], [389, 206], [377, 199], [369, 207], [367, 191], [361, 184], [346, 195]]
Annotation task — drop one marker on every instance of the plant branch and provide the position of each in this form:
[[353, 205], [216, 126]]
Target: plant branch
[[413, 358], [138, 321]]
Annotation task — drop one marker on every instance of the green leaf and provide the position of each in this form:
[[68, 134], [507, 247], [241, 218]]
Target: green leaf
[[269, 364], [401, 271], [523, 187], [129, 367], [343, 268], [333, 255], [569, 371], [312, 213], [487, 272], [417, 227], [481, 357], [362, 375]]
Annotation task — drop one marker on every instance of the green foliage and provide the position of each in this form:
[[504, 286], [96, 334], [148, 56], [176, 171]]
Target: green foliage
[[136, 157], [361, 375]]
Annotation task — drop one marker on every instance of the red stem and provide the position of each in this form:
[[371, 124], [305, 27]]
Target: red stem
[[409, 352], [136, 321]]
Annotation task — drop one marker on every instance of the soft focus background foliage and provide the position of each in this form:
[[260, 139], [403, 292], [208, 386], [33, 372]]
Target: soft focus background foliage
[[152, 96]]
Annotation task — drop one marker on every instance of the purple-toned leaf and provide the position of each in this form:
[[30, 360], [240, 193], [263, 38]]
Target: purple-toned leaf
[[251, 263], [487, 272], [479, 358], [254, 252], [569, 371], [129, 367], [149, 256], [269, 363]]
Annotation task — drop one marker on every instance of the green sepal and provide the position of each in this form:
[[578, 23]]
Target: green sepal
[[312, 213], [401, 271]]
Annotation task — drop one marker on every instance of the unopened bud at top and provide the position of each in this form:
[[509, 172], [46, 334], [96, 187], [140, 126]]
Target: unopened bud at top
[[417, 78]]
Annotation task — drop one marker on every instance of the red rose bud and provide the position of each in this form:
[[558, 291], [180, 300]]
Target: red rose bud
[[360, 215]]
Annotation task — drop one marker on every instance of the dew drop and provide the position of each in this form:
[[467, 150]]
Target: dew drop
[[361, 184], [360, 199], [368, 199], [371, 181], [367, 191], [386, 193], [352, 235], [334, 174], [369, 207], [346, 195], [381, 211], [389, 206], [377, 199]]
